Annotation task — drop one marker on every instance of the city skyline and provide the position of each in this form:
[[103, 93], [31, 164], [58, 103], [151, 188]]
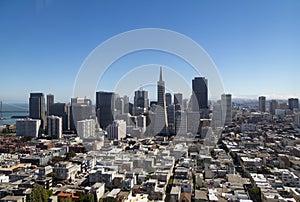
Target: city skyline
[[246, 41]]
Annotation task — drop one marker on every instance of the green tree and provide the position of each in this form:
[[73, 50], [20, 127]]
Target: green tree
[[87, 198], [53, 175], [67, 199], [108, 199], [56, 159], [39, 194], [255, 190], [70, 155], [213, 153]]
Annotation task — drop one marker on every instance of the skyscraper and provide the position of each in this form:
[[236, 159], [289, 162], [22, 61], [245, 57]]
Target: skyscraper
[[50, 101], [161, 121], [61, 110], [273, 106], [262, 103], [171, 118], [200, 94], [141, 101], [293, 103], [105, 107], [226, 108], [81, 108], [37, 107], [180, 122], [168, 99], [120, 105], [178, 99]]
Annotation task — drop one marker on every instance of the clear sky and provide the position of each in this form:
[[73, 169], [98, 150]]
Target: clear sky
[[254, 44]]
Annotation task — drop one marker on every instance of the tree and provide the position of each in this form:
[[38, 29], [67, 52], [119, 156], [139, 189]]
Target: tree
[[56, 159], [108, 199], [39, 194], [213, 153], [255, 190], [70, 155], [67, 199], [53, 175], [87, 198]]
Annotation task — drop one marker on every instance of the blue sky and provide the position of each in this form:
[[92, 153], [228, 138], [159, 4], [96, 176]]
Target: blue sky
[[254, 44]]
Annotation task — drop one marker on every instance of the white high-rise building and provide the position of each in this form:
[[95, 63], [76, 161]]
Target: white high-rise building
[[141, 123], [86, 128], [28, 127], [54, 125], [217, 115], [116, 130]]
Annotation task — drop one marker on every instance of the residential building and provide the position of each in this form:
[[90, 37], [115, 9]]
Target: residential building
[[28, 127], [116, 130], [86, 128], [54, 126]]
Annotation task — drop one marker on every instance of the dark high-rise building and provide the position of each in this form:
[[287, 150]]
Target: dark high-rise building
[[141, 101], [262, 103], [171, 118], [293, 103], [50, 101], [61, 110], [161, 120], [178, 99], [273, 106], [200, 94], [180, 122], [37, 107], [168, 99], [105, 106]]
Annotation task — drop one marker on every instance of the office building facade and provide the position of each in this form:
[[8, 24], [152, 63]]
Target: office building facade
[[50, 102], [62, 110], [293, 103], [37, 108], [200, 94], [226, 105], [105, 107], [141, 102], [262, 104]]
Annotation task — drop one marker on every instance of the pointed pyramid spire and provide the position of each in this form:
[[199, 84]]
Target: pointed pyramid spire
[[160, 74]]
